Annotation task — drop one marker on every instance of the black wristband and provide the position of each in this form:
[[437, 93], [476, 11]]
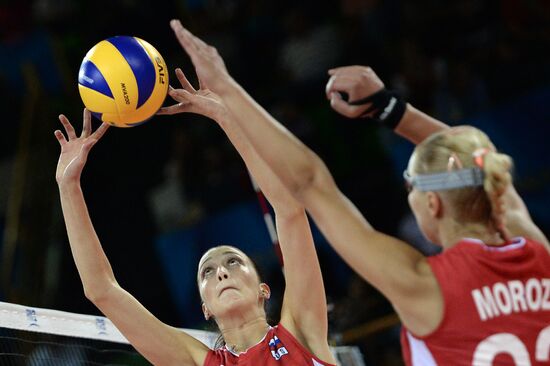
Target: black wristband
[[388, 107]]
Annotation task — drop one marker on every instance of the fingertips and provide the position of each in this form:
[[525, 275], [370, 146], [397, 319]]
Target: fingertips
[[178, 93], [60, 137], [163, 111], [104, 127], [101, 130], [181, 77], [175, 24]]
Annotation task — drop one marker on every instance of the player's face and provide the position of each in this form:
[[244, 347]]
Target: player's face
[[227, 281]]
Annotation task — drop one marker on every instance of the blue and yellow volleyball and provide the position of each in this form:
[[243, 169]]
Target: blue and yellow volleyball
[[123, 81]]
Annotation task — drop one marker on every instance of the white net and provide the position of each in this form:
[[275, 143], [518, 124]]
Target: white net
[[44, 337], [32, 336]]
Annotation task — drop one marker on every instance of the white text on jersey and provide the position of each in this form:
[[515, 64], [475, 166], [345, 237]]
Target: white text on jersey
[[503, 298]]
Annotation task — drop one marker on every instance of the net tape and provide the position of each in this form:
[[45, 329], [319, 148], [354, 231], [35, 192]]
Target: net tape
[[20, 317]]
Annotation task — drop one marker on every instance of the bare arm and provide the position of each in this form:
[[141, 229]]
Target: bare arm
[[158, 342], [416, 125], [304, 311], [389, 264], [361, 81], [519, 221]]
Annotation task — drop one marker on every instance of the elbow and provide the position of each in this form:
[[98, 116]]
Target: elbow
[[98, 294], [313, 176]]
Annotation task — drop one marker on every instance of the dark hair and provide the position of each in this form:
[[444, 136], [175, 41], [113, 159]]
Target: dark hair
[[220, 341]]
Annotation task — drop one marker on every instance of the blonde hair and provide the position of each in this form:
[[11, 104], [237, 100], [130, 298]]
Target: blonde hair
[[468, 147]]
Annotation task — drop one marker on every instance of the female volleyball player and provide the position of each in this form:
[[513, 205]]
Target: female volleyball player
[[486, 299], [231, 291]]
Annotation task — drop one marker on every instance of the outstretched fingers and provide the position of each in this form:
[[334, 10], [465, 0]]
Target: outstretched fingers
[[87, 123], [98, 134], [185, 38], [68, 127], [185, 84], [183, 97], [86, 147], [171, 110], [195, 47], [60, 137]]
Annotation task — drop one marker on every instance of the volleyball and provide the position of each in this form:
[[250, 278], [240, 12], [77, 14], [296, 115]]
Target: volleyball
[[123, 81]]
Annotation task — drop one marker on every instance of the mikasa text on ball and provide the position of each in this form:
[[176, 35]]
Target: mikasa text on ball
[[123, 80]]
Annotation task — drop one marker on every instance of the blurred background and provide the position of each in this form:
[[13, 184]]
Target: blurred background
[[162, 193]]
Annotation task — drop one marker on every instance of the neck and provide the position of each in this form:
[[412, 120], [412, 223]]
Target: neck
[[452, 232], [241, 334]]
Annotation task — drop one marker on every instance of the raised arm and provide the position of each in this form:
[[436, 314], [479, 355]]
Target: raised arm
[[359, 82], [158, 342], [399, 271], [304, 311]]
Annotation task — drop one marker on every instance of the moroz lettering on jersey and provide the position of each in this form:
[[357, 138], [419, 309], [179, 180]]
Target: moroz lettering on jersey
[[277, 348], [497, 307]]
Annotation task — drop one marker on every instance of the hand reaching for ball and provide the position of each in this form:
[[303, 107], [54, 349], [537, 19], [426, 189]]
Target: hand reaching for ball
[[75, 149], [203, 101], [209, 65]]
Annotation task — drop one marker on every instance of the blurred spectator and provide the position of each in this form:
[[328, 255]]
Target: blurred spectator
[[459, 61]]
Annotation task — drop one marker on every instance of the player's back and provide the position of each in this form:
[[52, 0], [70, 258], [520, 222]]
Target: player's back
[[497, 307]]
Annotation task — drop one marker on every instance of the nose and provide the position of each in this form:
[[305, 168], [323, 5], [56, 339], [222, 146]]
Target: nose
[[222, 273]]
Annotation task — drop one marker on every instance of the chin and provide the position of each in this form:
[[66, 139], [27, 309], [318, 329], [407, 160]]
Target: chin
[[234, 303]]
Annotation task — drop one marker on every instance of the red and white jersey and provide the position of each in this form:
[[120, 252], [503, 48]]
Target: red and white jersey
[[497, 307], [277, 348]]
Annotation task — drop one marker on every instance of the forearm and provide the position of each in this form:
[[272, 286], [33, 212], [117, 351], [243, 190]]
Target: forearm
[[276, 193], [90, 259], [416, 125], [291, 161]]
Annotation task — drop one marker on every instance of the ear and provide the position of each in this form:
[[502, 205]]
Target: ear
[[265, 291], [435, 205], [205, 311]]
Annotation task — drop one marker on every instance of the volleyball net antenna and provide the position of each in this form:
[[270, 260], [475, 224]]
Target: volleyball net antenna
[[43, 337], [345, 355], [268, 219]]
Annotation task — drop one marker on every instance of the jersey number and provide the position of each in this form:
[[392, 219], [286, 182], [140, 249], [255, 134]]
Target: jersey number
[[508, 343]]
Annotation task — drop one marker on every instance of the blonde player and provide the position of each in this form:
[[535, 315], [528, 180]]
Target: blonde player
[[486, 299]]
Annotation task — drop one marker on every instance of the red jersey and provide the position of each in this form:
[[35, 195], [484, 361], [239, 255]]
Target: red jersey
[[496, 307], [277, 348]]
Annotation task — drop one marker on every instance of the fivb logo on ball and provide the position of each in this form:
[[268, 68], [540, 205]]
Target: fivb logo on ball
[[123, 81]]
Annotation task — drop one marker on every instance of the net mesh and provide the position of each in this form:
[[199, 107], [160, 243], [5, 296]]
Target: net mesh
[[22, 348], [43, 337]]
